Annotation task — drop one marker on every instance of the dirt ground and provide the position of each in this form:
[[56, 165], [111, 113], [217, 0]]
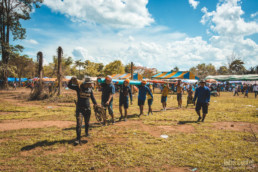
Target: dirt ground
[[18, 97], [169, 127], [20, 124]]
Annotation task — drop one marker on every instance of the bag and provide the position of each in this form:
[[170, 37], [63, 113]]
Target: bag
[[100, 114]]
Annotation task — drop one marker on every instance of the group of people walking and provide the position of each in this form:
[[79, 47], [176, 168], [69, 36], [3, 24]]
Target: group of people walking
[[85, 93]]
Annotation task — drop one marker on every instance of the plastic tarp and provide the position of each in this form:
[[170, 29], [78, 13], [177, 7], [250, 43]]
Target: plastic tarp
[[121, 82], [17, 79], [136, 76], [251, 77], [175, 75]]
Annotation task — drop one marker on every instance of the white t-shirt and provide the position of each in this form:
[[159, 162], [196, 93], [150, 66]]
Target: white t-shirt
[[255, 88]]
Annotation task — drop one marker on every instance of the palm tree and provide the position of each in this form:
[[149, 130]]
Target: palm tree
[[79, 64]]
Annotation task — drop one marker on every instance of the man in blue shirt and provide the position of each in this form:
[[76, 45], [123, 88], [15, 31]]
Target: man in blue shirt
[[202, 94], [143, 90], [108, 90]]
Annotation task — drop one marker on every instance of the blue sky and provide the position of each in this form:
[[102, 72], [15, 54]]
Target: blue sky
[[152, 33]]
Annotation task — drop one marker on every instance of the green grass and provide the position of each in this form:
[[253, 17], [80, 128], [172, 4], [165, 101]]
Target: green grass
[[129, 147]]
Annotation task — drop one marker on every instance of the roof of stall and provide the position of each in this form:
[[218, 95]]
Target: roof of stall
[[175, 75], [136, 76], [250, 77]]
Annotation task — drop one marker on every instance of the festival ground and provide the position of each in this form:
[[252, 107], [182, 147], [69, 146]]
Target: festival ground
[[39, 136]]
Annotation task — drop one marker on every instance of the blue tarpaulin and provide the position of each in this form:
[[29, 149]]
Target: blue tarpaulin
[[17, 79]]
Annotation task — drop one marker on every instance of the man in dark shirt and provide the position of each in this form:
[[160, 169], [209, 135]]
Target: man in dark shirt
[[202, 94], [83, 109], [143, 90], [125, 92], [108, 90]]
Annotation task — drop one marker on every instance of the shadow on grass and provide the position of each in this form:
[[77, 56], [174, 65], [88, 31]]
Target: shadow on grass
[[92, 125], [167, 109], [132, 116], [14, 111], [187, 122], [48, 143]]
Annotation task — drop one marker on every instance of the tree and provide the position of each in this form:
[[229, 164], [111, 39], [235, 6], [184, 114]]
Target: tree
[[193, 70], [114, 67], [79, 64], [11, 11], [237, 67], [176, 69], [128, 68], [235, 64], [203, 70], [23, 65], [93, 69], [11, 70], [223, 70], [50, 70], [252, 70], [211, 69], [144, 71]]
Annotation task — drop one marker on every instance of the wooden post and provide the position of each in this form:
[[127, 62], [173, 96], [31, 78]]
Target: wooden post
[[59, 52], [40, 69]]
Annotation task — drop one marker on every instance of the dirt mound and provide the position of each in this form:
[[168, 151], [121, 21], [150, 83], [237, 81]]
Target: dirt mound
[[16, 124], [236, 126]]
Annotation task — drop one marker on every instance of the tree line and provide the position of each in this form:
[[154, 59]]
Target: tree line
[[14, 64], [11, 12], [235, 66]]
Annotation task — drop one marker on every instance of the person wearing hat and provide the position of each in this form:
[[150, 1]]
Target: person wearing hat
[[164, 93], [143, 90], [83, 109], [202, 94], [108, 90], [125, 92]]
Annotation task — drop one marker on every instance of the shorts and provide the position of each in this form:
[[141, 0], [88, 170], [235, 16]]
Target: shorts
[[141, 102], [179, 96], [109, 107], [150, 101], [124, 100], [203, 106], [163, 99]]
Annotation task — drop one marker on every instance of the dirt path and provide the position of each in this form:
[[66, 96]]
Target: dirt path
[[156, 131], [17, 124], [236, 126]]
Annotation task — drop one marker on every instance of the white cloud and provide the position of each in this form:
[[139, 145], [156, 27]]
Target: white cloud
[[115, 13], [194, 3], [229, 30], [227, 21], [80, 53], [31, 41], [254, 15], [157, 46]]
